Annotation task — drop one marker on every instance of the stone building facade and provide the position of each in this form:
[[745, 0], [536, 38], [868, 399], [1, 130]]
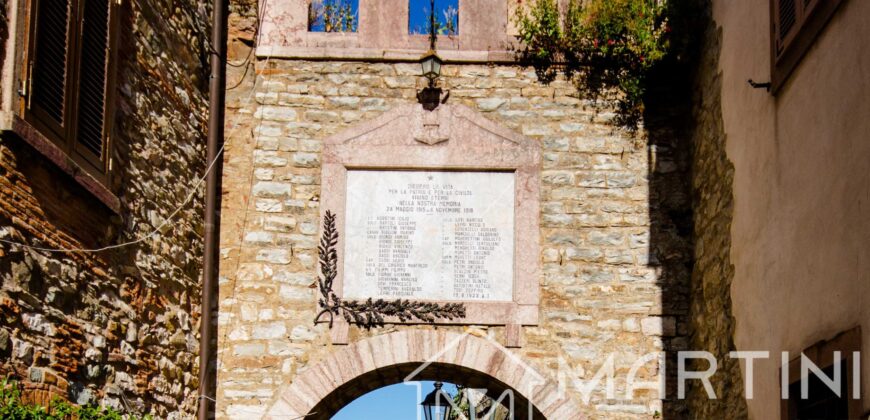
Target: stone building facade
[[117, 327], [615, 265], [733, 219]]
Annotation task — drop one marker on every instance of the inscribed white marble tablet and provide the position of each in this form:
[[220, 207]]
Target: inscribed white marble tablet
[[429, 235]]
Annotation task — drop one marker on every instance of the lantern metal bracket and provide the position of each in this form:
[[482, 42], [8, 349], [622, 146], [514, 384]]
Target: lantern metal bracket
[[759, 85], [430, 97]]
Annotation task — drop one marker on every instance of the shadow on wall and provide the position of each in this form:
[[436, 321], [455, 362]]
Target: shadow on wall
[[690, 208], [42, 205], [671, 226]]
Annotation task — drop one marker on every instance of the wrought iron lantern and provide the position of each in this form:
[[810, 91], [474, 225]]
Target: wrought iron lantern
[[436, 405], [430, 96], [431, 64]]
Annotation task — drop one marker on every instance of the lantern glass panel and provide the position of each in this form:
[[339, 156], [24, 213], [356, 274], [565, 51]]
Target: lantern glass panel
[[427, 65], [436, 67], [431, 66]]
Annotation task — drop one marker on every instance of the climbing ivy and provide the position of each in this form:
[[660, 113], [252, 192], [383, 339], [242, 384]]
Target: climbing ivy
[[606, 47]]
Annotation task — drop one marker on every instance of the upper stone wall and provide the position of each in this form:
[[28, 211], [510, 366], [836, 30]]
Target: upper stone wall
[[608, 245], [116, 327]]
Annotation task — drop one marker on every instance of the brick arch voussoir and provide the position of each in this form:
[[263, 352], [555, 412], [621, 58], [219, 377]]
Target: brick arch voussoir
[[385, 352]]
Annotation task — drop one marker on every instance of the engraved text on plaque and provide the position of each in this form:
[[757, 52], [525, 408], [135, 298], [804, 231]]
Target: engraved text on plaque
[[429, 235]]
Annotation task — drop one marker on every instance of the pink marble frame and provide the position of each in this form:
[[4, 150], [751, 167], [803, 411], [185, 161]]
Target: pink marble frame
[[485, 33], [452, 137]]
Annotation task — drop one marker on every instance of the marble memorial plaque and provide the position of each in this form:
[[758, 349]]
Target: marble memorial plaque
[[429, 235]]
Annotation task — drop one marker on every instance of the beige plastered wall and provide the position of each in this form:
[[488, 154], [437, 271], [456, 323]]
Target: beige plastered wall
[[801, 189]]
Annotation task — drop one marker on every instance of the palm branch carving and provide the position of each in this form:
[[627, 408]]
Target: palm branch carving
[[370, 312]]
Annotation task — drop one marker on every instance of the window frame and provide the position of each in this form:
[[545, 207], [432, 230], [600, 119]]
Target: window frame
[[437, 19], [309, 27], [822, 355], [64, 136], [811, 17]]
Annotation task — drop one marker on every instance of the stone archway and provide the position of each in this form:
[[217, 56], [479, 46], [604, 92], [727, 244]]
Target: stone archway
[[421, 354]]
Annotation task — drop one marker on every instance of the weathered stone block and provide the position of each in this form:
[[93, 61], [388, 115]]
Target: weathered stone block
[[274, 256], [271, 330], [249, 349], [279, 223], [258, 238], [272, 189], [606, 238], [276, 113], [269, 158]]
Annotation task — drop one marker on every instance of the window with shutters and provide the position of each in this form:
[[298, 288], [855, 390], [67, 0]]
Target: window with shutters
[[825, 382], [795, 24], [69, 78]]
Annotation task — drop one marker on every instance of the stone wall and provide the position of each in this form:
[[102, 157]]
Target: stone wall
[[605, 277], [712, 322], [117, 327]]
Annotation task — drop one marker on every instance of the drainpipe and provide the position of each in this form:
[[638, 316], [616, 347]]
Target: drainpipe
[[217, 84]]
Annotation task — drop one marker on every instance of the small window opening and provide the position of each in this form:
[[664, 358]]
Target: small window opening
[[333, 15], [828, 372], [446, 17]]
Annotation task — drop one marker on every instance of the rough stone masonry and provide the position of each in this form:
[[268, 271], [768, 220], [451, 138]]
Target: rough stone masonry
[[117, 328], [603, 284]]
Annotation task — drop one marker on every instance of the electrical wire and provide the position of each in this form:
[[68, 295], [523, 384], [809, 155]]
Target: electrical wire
[[234, 130], [193, 190]]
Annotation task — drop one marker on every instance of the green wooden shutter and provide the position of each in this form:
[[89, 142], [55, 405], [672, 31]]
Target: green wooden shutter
[[49, 72], [93, 66]]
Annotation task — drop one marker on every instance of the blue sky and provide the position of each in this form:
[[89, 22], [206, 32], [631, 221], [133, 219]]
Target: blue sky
[[318, 26], [418, 14], [393, 402]]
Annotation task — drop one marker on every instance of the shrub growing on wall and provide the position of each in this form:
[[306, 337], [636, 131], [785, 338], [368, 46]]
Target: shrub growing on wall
[[14, 406], [605, 46]]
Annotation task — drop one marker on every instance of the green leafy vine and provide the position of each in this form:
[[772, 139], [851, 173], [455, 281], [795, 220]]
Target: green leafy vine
[[606, 47]]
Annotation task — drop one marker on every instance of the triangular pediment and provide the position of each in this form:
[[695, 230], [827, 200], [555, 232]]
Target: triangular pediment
[[448, 126]]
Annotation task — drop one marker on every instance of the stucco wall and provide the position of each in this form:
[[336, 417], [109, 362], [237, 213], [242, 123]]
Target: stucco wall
[[801, 190]]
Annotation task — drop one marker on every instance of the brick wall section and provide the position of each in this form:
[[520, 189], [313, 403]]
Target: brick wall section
[[117, 328], [600, 289], [713, 204]]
